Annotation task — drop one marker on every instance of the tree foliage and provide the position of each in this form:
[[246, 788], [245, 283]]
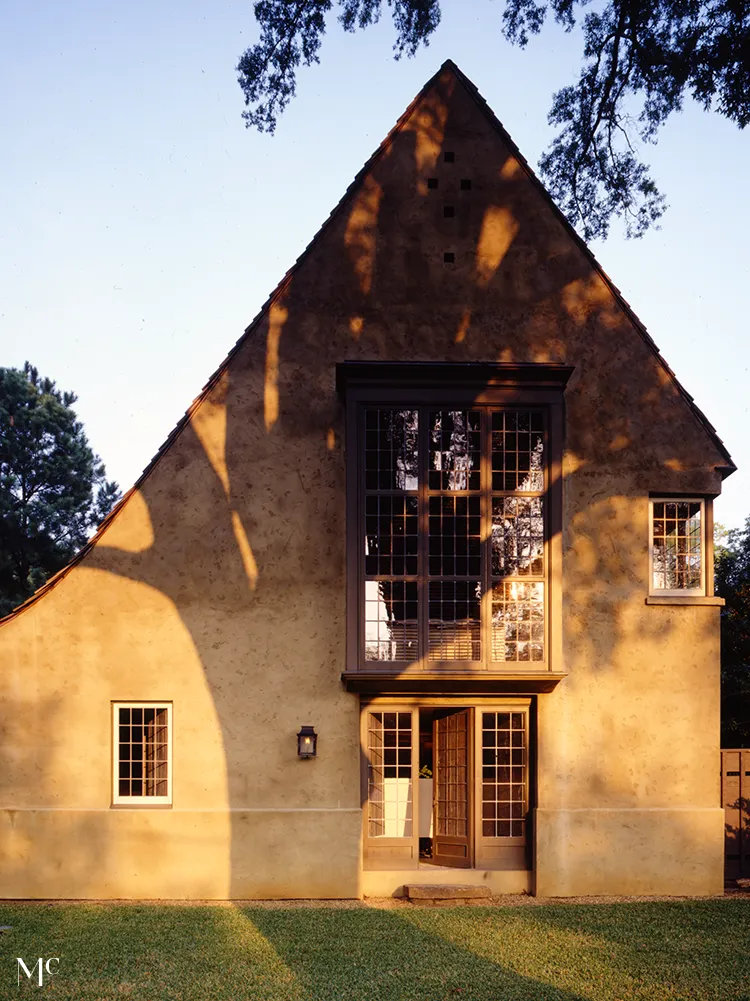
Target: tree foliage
[[53, 488], [733, 584], [640, 60]]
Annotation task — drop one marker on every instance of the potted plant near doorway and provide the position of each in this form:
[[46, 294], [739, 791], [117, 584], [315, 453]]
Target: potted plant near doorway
[[425, 808]]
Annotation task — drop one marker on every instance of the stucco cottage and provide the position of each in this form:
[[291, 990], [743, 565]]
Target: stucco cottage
[[445, 506]]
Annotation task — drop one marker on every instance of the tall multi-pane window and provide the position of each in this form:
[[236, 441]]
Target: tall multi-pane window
[[454, 536], [677, 560]]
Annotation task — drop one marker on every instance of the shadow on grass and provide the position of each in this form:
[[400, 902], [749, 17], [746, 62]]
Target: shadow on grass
[[661, 951], [132, 953], [368, 955], [691, 951]]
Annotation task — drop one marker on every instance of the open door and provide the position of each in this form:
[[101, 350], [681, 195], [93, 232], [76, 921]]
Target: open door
[[453, 788]]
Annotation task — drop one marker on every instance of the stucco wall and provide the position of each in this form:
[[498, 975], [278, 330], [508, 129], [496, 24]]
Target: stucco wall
[[221, 583]]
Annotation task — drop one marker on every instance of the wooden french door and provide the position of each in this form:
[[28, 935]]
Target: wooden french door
[[453, 788]]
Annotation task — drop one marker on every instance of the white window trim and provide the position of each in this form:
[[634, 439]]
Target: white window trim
[[676, 591], [117, 799]]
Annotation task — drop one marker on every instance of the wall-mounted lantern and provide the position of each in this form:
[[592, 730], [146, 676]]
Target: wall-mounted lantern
[[307, 742]]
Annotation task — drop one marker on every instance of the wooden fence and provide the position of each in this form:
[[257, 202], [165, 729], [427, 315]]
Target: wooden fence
[[735, 798]]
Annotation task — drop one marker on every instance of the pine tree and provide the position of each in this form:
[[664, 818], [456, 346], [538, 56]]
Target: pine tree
[[53, 488]]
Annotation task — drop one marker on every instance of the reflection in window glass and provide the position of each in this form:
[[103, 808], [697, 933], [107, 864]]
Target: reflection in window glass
[[391, 535], [391, 631], [677, 546], [454, 509], [518, 621], [518, 457], [391, 449], [517, 536], [389, 754], [455, 449]]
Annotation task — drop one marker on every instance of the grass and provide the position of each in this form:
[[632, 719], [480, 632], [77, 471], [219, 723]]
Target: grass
[[662, 951]]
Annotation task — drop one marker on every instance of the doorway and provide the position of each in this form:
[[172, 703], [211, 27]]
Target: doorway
[[445, 785], [445, 752]]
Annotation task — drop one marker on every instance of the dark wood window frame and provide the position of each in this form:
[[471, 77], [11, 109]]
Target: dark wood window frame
[[457, 386]]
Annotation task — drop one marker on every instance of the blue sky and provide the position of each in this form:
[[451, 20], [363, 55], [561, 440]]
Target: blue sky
[[143, 225]]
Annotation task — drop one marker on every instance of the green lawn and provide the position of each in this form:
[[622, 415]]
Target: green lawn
[[601, 952]]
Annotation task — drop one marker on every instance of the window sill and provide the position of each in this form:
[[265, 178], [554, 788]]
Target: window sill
[[140, 806], [683, 599]]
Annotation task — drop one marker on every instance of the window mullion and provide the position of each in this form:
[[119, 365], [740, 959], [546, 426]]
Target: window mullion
[[485, 482], [422, 567]]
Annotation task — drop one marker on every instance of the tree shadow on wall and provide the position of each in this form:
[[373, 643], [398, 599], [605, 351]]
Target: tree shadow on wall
[[248, 508], [30, 862]]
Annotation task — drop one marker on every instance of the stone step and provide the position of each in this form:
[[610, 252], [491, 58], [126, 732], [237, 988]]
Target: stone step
[[426, 893]]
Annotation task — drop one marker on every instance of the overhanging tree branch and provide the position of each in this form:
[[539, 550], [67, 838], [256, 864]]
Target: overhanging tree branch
[[655, 52]]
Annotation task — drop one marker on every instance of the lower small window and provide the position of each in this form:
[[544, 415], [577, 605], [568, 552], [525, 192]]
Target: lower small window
[[142, 742], [677, 548]]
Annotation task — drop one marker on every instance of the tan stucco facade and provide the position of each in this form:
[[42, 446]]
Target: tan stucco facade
[[220, 583]]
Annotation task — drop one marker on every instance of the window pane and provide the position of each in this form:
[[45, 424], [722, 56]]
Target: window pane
[[452, 755], [503, 787], [677, 545], [455, 447], [454, 537], [454, 620], [391, 631], [518, 622], [391, 536], [142, 751], [389, 796], [391, 445], [517, 450], [517, 536], [424, 550]]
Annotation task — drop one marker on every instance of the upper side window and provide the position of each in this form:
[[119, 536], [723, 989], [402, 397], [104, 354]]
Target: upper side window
[[677, 546], [142, 753], [452, 529]]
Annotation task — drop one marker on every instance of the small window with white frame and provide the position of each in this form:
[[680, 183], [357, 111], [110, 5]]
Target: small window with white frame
[[142, 753], [677, 547]]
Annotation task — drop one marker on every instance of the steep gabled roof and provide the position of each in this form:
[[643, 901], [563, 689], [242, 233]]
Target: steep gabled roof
[[278, 292]]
